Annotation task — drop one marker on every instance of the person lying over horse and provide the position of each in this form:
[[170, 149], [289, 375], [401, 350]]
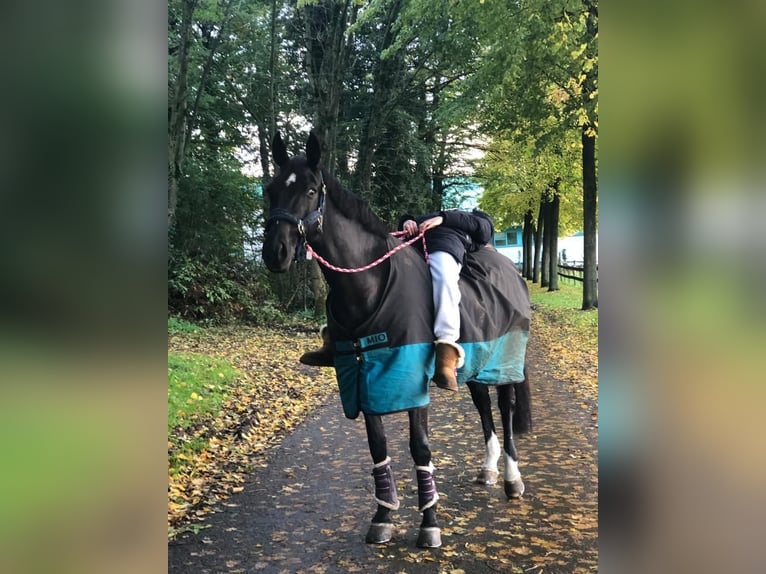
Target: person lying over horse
[[449, 235]]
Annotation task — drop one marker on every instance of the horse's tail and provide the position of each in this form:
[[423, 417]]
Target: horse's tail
[[522, 412]]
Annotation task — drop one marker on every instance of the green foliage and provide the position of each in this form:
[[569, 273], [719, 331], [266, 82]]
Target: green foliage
[[541, 64], [216, 291], [216, 208], [517, 173], [176, 326], [401, 183], [209, 277]]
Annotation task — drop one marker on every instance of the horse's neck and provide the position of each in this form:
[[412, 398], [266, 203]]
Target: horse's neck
[[353, 296]]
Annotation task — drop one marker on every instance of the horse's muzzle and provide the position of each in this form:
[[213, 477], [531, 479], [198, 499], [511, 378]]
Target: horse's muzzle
[[278, 251]]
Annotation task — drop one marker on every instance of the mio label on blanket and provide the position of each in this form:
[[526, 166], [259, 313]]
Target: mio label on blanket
[[373, 340]]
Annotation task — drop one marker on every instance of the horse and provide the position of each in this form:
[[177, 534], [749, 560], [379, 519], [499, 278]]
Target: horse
[[380, 318]]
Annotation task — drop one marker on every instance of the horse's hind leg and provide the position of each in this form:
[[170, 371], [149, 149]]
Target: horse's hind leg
[[512, 483], [429, 535], [381, 528], [480, 395]]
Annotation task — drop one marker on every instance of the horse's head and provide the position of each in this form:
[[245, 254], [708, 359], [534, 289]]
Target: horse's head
[[296, 199]]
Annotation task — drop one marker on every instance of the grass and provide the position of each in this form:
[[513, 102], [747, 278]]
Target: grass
[[197, 387], [565, 305], [176, 326]]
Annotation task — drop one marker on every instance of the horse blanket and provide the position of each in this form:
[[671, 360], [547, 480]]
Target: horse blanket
[[385, 364]]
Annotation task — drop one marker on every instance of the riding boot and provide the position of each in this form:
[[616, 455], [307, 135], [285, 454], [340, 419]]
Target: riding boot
[[449, 357], [385, 485], [324, 356]]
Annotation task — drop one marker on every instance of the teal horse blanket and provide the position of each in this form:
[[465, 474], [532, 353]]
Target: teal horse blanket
[[385, 364]]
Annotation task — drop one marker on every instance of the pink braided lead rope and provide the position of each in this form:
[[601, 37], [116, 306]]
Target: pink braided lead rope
[[378, 261]]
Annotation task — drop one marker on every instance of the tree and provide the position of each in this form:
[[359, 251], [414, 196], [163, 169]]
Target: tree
[[540, 75], [520, 174], [212, 205], [197, 30], [589, 131]]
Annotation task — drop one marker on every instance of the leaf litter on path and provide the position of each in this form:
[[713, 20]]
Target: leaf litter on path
[[273, 392]]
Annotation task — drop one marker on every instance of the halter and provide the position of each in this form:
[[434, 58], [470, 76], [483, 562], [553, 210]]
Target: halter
[[313, 217]]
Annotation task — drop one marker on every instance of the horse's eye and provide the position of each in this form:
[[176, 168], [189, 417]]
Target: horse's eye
[[311, 192]]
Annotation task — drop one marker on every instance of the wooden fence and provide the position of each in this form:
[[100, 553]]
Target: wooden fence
[[573, 271]]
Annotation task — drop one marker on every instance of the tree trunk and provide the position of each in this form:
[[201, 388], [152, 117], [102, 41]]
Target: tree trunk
[[264, 151], [589, 183], [326, 60], [545, 271], [553, 282], [539, 242], [318, 288], [528, 244], [374, 115], [177, 114], [590, 211], [212, 42], [272, 80]]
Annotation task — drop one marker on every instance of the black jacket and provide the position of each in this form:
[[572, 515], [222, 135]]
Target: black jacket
[[461, 231]]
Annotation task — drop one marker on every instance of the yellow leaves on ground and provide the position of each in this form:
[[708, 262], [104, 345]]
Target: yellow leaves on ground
[[273, 393], [570, 351]]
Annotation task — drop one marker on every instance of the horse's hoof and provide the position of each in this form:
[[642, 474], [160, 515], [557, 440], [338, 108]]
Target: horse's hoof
[[429, 537], [514, 488], [379, 533], [487, 476]]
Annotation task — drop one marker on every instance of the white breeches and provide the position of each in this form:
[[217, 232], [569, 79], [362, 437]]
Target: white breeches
[[445, 273]]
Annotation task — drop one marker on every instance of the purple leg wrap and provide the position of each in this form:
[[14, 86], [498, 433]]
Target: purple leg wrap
[[427, 495], [385, 487]]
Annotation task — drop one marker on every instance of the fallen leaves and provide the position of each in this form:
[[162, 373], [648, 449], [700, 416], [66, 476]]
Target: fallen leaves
[[571, 350], [272, 393]]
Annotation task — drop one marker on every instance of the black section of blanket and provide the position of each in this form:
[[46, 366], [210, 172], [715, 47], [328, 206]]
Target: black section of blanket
[[406, 310], [494, 297]]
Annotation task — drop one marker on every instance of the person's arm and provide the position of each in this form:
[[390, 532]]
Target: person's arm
[[479, 228], [414, 225]]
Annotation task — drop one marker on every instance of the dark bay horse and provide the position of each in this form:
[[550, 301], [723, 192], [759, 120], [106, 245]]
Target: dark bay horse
[[380, 317]]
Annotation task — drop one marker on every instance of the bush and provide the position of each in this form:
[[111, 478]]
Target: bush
[[218, 292]]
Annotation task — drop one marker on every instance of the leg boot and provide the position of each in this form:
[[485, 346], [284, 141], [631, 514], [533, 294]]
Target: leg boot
[[448, 358], [324, 356]]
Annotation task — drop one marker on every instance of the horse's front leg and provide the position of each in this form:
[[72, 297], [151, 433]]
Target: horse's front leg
[[512, 483], [382, 527], [430, 533], [481, 400]]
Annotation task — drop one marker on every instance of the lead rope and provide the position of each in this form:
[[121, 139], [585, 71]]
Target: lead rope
[[378, 261]]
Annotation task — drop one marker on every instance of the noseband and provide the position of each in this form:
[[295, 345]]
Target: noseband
[[312, 218]]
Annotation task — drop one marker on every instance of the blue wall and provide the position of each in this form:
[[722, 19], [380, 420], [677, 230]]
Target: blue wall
[[510, 237]]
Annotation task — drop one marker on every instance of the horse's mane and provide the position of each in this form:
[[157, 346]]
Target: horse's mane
[[354, 207]]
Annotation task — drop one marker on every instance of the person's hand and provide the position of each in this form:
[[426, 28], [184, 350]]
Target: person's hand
[[410, 228], [431, 223]]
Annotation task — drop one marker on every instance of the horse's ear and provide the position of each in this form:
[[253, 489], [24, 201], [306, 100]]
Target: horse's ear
[[279, 150], [313, 150]]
